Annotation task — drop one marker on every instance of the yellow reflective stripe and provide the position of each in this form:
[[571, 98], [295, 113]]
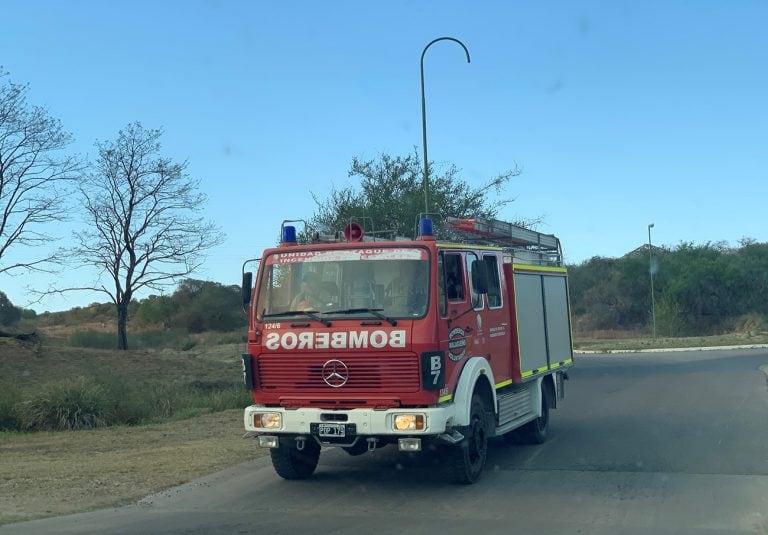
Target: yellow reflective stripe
[[529, 267], [553, 366], [504, 383], [443, 399], [569, 361], [534, 371]]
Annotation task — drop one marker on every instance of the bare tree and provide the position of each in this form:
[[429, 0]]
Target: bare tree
[[33, 176], [143, 227]]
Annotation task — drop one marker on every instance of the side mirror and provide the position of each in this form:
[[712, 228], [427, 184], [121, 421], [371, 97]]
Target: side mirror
[[247, 287], [479, 276]]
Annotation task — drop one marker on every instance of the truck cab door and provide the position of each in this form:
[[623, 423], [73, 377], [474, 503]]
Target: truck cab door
[[488, 318], [457, 323], [494, 339]]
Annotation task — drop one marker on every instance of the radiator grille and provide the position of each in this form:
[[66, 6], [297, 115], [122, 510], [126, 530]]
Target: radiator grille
[[366, 373]]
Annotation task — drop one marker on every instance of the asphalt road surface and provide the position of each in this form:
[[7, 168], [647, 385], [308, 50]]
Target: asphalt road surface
[[644, 443]]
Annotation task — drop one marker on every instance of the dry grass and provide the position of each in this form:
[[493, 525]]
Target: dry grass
[[24, 366], [48, 474]]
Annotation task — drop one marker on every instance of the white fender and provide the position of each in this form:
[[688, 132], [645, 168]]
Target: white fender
[[462, 397]]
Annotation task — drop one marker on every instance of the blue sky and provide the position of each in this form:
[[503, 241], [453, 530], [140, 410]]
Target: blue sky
[[619, 113]]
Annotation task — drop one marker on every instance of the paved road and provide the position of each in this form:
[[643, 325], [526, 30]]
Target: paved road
[[659, 443]]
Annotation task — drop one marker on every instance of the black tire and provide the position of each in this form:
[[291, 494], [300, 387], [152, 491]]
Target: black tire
[[535, 431], [514, 437], [290, 463], [466, 460]]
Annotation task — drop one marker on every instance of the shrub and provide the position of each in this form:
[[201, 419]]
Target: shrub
[[93, 339], [9, 314], [668, 318], [171, 339], [82, 404], [234, 397], [180, 401], [9, 400], [104, 400], [750, 324]]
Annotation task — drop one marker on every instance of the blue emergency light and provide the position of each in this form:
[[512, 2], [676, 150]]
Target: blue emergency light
[[425, 227], [289, 234]]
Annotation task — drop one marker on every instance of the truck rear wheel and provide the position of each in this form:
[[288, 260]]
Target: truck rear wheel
[[466, 460], [535, 431], [290, 463]]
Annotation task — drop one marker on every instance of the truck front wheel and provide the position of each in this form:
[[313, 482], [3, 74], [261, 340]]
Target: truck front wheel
[[466, 460], [291, 463]]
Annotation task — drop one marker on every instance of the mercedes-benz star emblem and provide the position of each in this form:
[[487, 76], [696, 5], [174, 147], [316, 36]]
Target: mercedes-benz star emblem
[[335, 373]]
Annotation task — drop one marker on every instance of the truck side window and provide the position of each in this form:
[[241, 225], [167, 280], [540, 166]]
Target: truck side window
[[477, 299], [494, 284], [454, 278]]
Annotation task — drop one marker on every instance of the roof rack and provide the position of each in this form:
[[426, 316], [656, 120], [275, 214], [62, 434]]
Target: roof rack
[[525, 244]]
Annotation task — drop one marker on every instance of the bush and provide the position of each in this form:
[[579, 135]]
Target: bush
[[749, 324], [9, 400], [9, 314], [668, 319], [170, 339], [82, 404], [103, 400], [93, 340], [180, 401], [234, 397]]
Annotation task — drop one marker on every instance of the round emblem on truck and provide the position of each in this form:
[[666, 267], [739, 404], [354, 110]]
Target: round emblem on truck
[[335, 373], [457, 344]]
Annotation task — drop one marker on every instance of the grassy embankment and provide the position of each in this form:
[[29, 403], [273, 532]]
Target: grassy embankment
[[185, 407], [633, 341]]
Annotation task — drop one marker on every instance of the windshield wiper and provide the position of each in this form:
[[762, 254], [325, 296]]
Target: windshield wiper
[[312, 314], [375, 311]]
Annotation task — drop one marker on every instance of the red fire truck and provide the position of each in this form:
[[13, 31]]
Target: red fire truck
[[437, 346]]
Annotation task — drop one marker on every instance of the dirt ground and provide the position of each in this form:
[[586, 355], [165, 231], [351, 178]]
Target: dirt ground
[[49, 474]]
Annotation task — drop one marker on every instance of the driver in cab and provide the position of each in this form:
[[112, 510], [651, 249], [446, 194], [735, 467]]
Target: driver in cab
[[312, 295]]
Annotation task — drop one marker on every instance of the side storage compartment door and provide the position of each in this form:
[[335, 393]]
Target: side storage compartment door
[[544, 330], [559, 347]]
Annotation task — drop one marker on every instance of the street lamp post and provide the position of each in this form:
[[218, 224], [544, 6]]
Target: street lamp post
[[424, 114], [650, 271]]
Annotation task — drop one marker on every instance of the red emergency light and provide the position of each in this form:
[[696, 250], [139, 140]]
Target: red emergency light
[[353, 232]]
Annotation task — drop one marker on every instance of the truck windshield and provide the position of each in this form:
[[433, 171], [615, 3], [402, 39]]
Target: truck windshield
[[393, 282]]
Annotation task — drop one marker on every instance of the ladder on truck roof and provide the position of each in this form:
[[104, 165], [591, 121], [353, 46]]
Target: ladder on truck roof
[[524, 244]]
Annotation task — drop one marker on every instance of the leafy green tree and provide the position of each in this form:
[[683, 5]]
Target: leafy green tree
[[9, 314], [699, 288], [204, 305], [390, 196], [157, 309]]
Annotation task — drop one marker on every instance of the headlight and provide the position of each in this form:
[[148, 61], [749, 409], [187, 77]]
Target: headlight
[[409, 422], [268, 420]]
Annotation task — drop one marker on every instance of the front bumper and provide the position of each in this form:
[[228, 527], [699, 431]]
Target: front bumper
[[368, 422]]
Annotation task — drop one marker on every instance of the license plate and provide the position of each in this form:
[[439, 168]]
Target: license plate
[[331, 430]]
